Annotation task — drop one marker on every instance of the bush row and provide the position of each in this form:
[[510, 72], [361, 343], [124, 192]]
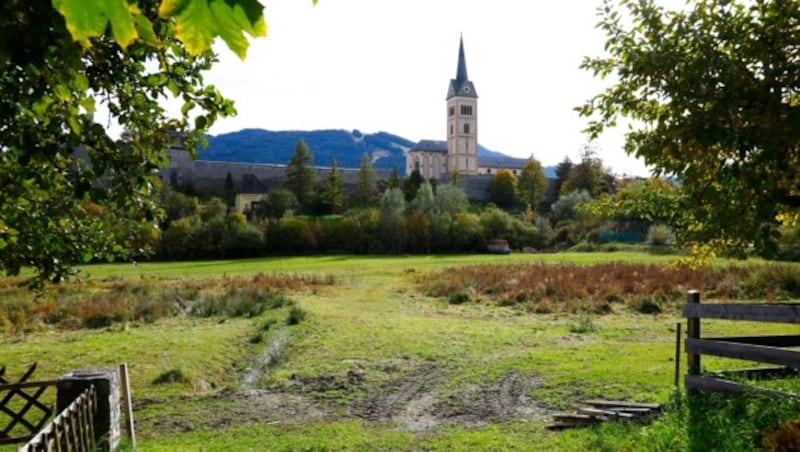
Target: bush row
[[359, 231]]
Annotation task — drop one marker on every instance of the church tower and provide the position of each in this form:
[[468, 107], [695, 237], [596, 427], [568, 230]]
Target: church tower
[[462, 120]]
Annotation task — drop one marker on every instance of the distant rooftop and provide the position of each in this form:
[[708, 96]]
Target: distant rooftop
[[430, 146], [505, 162]]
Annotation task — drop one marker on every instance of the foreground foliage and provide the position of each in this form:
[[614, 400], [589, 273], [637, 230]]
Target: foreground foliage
[[712, 92]]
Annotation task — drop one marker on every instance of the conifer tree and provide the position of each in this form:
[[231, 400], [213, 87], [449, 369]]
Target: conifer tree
[[333, 195], [301, 178], [366, 184]]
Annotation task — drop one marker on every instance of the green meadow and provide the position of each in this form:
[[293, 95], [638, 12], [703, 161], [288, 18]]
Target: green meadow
[[358, 353]]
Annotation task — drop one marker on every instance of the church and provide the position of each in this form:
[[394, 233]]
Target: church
[[438, 159]]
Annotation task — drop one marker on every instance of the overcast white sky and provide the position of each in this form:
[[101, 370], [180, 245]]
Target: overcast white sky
[[384, 65]]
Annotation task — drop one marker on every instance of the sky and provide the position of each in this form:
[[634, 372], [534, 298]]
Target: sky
[[384, 65]]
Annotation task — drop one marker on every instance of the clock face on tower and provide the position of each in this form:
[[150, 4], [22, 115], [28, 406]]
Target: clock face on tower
[[465, 89]]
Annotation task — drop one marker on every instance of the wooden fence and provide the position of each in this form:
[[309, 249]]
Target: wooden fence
[[71, 430], [21, 404], [759, 349]]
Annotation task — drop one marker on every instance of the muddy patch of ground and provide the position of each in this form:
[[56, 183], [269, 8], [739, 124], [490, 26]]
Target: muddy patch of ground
[[415, 399]]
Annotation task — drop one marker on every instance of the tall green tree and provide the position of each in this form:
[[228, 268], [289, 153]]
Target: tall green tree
[[392, 224], [411, 184], [71, 192], [394, 179], [333, 195], [712, 95], [503, 189], [366, 189], [562, 174], [532, 183], [301, 177], [589, 175]]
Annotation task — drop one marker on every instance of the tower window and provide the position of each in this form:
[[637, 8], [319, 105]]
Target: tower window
[[466, 110], [466, 127], [452, 111], [451, 129]]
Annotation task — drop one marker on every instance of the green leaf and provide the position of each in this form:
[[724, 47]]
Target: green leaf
[[169, 8], [188, 105], [145, 29], [201, 20], [88, 104], [86, 19]]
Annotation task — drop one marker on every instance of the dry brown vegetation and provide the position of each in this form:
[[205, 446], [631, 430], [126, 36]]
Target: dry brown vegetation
[[644, 287], [100, 303]]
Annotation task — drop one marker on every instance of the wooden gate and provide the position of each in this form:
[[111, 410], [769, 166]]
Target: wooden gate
[[22, 413]]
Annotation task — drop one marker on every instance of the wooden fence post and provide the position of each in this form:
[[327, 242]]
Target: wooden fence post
[[678, 355], [693, 332]]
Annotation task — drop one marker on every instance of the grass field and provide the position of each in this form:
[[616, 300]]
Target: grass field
[[378, 364]]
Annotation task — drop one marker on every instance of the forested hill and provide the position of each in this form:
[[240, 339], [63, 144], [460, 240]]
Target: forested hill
[[265, 146]]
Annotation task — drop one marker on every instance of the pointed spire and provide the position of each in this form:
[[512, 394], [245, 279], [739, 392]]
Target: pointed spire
[[461, 74]]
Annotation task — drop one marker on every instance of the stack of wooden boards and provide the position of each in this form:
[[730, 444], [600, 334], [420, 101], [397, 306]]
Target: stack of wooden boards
[[596, 411]]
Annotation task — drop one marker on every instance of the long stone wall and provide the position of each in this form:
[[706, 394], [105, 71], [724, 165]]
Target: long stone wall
[[207, 177]]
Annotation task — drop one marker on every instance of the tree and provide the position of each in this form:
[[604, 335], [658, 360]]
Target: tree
[[589, 175], [562, 174], [394, 179], [532, 183], [277, 203], [712, 93], [228, 183], [503, 189], [392, 221], [301, 178], [450, 199], [333, 195], [366, 183], [425, 199], [71, 192], [411, 184]]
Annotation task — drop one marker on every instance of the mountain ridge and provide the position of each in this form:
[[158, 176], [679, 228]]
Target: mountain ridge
[[254, 145]]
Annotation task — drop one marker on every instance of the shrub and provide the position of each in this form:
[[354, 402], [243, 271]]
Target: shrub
[[459, 298], [296, 315], [785, 439], [584, 323], [235, 302], [647, 305], [171, 376], [660, 235]]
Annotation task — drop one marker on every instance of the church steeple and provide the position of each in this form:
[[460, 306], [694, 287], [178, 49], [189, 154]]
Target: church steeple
[[461, 73], [462, 120], [461, 86]]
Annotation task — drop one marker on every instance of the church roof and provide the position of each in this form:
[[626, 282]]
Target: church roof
[[430, 146], [461, 86], [251, 184], [502, 162]]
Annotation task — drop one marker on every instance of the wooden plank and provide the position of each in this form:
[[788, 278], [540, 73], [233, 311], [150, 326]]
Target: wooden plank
[[606, 413], [612, 403], [557, 426], [711, 384], [762, 312], [747, 352], [28, 384], [789, 340], [576, 418], [758, 373]]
